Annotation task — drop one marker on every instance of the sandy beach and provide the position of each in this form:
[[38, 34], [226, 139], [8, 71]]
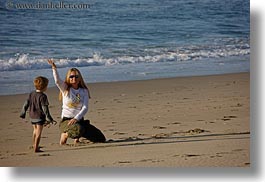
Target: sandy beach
[[201, 121]]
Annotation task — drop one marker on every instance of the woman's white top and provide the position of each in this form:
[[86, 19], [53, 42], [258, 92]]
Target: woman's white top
[[75, 104]]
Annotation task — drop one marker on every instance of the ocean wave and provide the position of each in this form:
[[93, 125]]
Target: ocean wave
[[193, 53]]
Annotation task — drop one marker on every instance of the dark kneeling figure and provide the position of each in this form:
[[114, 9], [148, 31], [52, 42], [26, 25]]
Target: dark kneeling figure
[[92, 133]]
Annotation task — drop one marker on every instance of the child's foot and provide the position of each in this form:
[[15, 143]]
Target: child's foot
[[38, 150], [32, 147], [63, 139]]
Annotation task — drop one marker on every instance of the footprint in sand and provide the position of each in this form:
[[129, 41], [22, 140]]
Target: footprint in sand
[[117, 100], [196, 131], [159, 127], [44, 155], [132, 107], [174, 123], [219, 154], [227, 118], [237, 105], [230, 116], [145, 160], [151, 160], [160, 135], [101, 109], [124, 162], [19, 154], [190, 155], [111, 129], [187, 156], [119, 133], [237, 150]]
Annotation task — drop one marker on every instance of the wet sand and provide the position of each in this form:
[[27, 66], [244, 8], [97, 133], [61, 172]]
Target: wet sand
[[199, 121]]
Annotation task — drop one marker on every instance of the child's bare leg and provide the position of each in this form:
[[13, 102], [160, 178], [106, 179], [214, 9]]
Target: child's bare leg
[[63, 139], [34, 134], [38, 132]]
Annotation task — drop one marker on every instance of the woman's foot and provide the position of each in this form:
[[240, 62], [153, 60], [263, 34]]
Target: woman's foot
[[63, 139], [76, 141]]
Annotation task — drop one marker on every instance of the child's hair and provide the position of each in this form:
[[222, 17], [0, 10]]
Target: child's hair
[[40, 82]]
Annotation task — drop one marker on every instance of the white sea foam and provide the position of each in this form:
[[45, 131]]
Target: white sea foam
[[26, 61]]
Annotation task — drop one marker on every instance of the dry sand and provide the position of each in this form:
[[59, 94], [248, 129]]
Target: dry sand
[[175, 122]]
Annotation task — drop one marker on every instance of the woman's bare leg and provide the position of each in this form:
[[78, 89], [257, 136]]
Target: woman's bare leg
[[63, 139]]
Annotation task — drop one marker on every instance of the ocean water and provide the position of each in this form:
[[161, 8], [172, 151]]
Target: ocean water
[[122, 39]]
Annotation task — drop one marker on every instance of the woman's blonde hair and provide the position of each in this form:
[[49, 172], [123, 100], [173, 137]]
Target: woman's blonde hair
[[40, 83], [81, 83]]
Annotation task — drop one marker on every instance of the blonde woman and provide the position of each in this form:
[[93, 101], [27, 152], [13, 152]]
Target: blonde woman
[[74, 95]]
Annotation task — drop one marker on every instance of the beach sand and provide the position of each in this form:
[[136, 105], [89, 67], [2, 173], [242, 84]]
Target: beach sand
[[201, 121]]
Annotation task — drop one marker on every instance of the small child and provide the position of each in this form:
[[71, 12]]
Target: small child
[[37, 103]]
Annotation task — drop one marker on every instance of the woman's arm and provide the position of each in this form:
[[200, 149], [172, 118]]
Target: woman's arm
[[59, 83], [84, 108]]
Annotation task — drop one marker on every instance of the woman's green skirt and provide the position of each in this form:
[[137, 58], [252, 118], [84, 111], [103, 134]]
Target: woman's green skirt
[[74, 131]]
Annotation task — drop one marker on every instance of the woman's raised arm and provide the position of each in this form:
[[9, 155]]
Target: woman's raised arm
[[60, 83]]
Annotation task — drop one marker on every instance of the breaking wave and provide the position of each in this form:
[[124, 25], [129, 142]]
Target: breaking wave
[[192, 53]]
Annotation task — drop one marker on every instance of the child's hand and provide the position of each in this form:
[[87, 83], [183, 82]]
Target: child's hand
[[54, 122], [48, 123], [24, 120]]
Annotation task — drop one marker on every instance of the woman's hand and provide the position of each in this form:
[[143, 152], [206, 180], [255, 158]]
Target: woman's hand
[[51, 62], [72, 121]]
